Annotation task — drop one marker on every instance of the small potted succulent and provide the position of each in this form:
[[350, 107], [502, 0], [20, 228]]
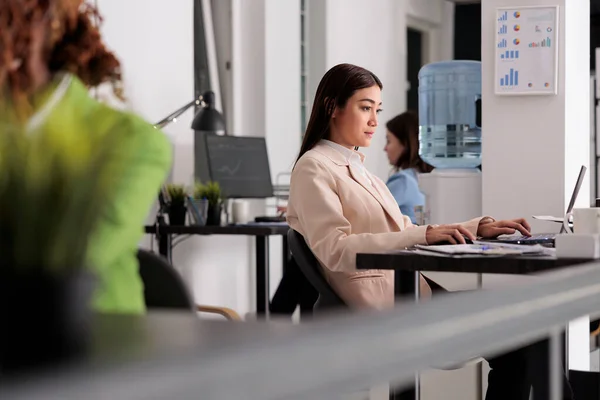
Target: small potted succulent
[[211, 191], [176, 207]]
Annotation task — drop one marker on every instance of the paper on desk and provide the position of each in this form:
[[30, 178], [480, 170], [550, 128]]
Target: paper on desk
[[486, 248], [548, 218]]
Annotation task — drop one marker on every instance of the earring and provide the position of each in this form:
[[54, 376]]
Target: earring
[[15, 64]]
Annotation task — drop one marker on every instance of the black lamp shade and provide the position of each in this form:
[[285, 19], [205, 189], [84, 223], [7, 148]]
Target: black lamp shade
[[209, 120]]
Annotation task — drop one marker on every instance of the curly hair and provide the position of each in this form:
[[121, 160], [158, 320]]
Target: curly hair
[[70, 42]]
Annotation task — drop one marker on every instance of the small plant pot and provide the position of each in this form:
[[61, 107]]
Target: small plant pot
[[45, 319], [213, 217], [177, 214], [198, 211]]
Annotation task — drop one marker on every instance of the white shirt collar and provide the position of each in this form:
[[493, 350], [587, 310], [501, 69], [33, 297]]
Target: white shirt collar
[[353, 157], [346, 152]]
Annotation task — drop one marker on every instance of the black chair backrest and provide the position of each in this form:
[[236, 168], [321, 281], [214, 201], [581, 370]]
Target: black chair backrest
[[310, 267], [163, 286]]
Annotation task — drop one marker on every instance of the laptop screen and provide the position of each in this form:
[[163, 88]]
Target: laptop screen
[[577, 187]]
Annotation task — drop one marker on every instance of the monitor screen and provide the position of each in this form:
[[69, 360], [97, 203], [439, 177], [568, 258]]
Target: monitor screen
[[240, 164]]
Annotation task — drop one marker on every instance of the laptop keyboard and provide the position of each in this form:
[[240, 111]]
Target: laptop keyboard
[[540, 238]]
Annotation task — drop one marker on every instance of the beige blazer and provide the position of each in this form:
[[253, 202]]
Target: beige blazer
[[340, 213]]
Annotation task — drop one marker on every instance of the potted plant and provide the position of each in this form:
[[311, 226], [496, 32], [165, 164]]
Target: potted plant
[[176, 204], [211, 191], [53, 184]]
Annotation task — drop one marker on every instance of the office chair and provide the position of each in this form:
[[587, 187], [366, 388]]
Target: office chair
[[164, 288], [328, 298], [310, 267]]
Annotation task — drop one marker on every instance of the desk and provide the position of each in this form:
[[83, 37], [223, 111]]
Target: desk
[[164, 234], [411, 261], [407, 263]]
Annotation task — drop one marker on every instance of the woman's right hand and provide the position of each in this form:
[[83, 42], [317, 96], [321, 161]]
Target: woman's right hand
[[454, 234]]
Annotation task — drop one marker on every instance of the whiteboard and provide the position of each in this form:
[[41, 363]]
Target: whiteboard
[[526, 56]]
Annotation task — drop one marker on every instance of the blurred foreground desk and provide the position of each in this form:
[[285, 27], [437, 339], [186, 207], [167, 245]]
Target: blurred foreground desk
[[262, 232], [407, 264], [152, 357]]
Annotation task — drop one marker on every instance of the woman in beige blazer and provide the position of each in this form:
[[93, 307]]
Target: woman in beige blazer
[[341, 209]]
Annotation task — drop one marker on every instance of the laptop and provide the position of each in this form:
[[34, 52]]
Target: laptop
[[546, 239]]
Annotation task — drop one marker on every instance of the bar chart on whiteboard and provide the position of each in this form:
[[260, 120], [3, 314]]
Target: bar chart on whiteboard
[[526, 50]]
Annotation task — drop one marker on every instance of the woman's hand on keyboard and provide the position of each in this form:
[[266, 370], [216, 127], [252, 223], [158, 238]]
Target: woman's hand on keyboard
[[452, 234], [488, 228]]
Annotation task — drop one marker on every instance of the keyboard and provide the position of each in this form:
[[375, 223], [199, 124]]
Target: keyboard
[[539, 238]]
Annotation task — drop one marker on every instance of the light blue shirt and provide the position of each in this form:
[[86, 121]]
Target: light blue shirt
[[405, 189]]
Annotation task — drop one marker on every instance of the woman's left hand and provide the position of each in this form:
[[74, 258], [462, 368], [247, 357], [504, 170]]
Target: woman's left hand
[[489, 228]]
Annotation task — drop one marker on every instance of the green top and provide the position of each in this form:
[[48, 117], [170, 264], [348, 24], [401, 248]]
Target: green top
[[148, 154]]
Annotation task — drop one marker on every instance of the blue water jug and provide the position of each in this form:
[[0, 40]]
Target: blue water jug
[[450, 114]]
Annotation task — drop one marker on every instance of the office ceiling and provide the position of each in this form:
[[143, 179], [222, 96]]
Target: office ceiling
[[594, 5]]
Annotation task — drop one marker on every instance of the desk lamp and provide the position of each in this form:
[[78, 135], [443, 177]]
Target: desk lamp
[[207, 119]]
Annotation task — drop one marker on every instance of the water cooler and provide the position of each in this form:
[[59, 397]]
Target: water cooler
[[450, 140]]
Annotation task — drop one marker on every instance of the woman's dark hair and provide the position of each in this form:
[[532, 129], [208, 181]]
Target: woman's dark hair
[[336, 87], [405, 127]]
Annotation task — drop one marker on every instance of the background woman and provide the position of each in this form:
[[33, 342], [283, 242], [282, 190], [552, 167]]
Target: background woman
[[402, 149]]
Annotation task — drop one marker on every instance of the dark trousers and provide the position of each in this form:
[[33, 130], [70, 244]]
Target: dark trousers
[[293, 290], [514, 374]]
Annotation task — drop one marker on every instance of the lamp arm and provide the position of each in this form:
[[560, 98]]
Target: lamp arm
[[168, 119]]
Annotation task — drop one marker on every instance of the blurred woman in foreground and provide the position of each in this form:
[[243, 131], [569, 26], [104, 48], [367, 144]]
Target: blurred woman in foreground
[[51, 54]]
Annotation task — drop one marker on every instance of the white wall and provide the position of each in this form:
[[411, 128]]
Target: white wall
[[157, 64]]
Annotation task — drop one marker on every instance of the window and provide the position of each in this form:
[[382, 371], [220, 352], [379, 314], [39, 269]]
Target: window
[[304, 111], [414, 62]]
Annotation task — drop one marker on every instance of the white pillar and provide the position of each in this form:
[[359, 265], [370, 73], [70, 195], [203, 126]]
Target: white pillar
[[533, 146]]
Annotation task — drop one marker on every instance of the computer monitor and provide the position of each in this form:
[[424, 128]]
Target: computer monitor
[[240, 164]]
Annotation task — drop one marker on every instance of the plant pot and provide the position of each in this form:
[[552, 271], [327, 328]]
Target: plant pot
[[177, 214], [198, 210], [213, 217], [45, 319]]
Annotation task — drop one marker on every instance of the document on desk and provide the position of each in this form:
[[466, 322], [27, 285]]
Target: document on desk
[[549, 218], [485, 248]]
